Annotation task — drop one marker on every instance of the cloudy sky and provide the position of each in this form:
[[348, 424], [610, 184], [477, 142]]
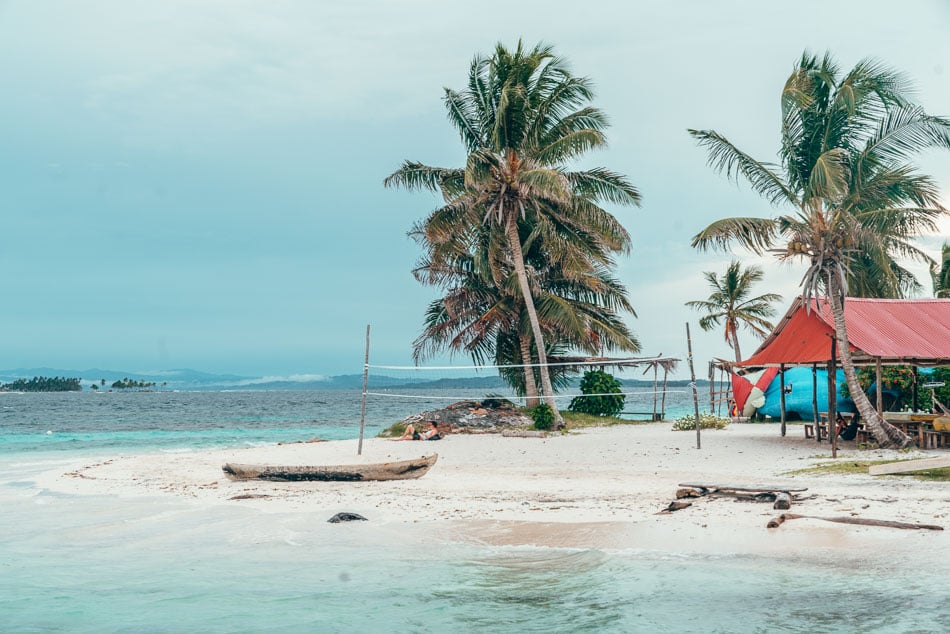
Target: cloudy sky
[[199, 184]]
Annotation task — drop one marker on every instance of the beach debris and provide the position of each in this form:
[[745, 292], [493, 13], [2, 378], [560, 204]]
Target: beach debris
[[675, 505], [779, 495], [861, 521], [524, 433], [346, 517], [301, 442], [248, 496]]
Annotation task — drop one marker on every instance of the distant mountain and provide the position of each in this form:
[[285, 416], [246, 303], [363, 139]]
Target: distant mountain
[[195, 380]]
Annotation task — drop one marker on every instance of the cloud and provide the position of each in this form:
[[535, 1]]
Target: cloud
[[292, 378]]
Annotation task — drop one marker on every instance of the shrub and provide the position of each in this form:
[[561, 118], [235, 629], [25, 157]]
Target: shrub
[[543, 417], [706, 421], [601, 383]]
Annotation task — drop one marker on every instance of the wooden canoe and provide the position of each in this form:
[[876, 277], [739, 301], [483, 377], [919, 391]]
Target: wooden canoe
[[399, 470]]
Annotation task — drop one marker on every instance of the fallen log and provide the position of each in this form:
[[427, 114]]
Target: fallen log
[[781, 498], [690, 492], [861, 521], [749, 488], [909, 466], [783, 501]]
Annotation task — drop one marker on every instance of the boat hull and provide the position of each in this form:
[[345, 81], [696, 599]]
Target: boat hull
[[399, 470]]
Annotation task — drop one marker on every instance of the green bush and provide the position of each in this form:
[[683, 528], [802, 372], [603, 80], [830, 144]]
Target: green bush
[[543, 417], [706, 421], [601, 383]]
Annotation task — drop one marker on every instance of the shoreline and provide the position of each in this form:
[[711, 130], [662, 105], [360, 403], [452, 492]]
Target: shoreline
[[596, 487]]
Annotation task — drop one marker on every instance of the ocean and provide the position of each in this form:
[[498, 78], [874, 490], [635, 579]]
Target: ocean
[[102, 564]]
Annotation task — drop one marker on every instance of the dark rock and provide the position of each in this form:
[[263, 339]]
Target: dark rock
[[489, 414], [346, 517]]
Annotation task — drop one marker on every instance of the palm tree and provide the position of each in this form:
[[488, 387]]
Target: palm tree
[[730, 303], [523, 119], [845, 173], [488, 320], [941, 273]]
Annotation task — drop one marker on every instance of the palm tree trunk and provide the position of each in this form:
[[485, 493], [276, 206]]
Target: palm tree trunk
[[886, 434], [735, 342], [530, 385], [514, 243]]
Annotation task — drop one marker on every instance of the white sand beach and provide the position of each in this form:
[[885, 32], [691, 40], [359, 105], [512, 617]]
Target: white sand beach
[[595, 487]]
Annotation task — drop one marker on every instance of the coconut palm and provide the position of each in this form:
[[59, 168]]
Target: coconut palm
[[489, 320], [844, 172], [523, 119], [941, 273], [731, 304]]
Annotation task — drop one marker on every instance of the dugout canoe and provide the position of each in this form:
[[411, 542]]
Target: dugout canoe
[[398, 470]]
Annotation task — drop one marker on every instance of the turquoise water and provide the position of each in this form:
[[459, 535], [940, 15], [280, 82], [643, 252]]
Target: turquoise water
[[102, 564]]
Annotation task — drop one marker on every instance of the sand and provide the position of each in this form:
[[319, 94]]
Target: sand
[[596, 487]]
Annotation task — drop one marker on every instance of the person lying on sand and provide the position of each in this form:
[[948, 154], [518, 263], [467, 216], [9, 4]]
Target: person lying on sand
[[412, 434]]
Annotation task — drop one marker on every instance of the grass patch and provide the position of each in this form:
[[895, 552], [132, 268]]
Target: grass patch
[[847, 467], [578, 420]]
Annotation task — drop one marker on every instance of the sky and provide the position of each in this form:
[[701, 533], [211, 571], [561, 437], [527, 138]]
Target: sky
[[199, 184]]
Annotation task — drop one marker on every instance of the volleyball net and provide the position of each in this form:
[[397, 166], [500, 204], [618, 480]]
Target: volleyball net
[[644, 384]]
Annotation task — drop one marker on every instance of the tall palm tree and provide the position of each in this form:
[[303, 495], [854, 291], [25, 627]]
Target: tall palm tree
[[489, 320], [523, 119], [731, 303], [940, 273], [845, 173]]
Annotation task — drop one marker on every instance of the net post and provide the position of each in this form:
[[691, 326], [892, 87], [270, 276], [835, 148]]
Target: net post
[[359, 447], [692, 373]]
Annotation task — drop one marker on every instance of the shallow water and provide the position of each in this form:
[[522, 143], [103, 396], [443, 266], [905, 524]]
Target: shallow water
[[103, 564], [134, 565]]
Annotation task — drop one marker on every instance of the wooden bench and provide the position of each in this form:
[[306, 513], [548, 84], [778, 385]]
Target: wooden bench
[[932, 439], [810, 430]]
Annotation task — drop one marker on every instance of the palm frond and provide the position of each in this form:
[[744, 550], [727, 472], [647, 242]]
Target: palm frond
[[755, 234], [725, 158]]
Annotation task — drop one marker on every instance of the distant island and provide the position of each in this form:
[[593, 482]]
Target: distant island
[[184, 380], [43, 384]]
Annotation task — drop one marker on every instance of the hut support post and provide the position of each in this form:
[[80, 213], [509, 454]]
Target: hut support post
[[712, 387], [878, 387], [916, 402], [814, 393], [781, 374], [666, 371], [655, 385], [832, 401]]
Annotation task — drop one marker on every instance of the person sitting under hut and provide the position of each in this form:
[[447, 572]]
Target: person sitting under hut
[[412, 434], [847, 431]]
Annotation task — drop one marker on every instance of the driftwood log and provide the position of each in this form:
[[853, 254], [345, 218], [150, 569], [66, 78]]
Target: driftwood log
[[861, 521], [779, 495]]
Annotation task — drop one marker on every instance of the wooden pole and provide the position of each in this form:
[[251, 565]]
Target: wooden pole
[[655, 386], [878, 387], [712, 387], [666, 372], [916, 402], [359, 447], [814, 393], [692, 373], [781, 374], [832, 401]]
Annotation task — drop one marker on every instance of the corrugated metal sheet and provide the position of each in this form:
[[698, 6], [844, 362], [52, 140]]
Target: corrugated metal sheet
[[890, 329]]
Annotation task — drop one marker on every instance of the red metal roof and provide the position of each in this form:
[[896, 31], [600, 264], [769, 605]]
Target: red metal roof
[[893, 330]]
